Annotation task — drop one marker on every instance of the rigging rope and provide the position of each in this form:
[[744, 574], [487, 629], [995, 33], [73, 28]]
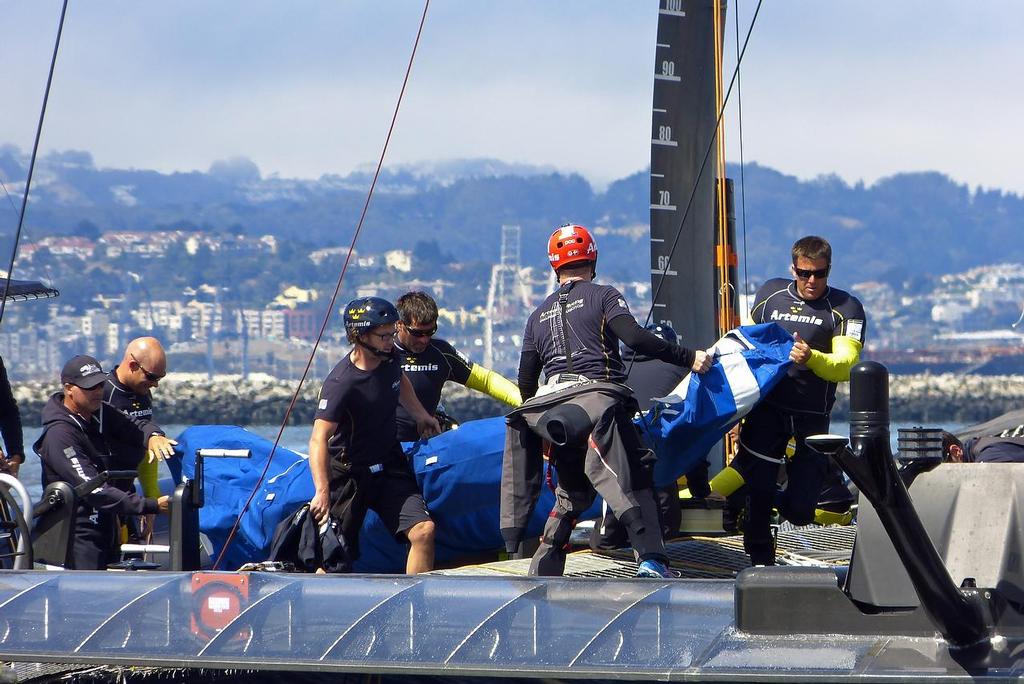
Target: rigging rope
[[703, 164], [32, 162], [10, 200], [334, 297]]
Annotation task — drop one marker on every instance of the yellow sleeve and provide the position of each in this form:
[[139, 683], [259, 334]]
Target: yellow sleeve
[[493, 385], [148, 477], [835, 366]]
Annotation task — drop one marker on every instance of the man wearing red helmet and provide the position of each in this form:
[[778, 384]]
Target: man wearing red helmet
[[584, 411], [354, 455]]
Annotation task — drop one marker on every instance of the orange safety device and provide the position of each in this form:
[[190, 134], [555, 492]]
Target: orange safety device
[[571, 244]]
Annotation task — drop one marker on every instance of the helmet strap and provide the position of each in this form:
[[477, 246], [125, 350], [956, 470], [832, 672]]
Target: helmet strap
[[383, 355]]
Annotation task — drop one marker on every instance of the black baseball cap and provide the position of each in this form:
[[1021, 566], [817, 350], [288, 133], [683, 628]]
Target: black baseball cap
[[83, 371]]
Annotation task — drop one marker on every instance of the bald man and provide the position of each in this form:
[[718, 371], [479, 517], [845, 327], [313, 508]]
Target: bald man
[[128, 389]]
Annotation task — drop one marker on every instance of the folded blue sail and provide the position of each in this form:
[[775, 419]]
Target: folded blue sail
[[230, 481], [682, 427], [459, 472]]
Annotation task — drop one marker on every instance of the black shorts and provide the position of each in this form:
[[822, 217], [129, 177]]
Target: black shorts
[[395, 496]]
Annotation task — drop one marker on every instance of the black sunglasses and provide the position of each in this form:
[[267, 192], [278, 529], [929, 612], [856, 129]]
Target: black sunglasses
[[419, 333], [806, 273], [152, 377]]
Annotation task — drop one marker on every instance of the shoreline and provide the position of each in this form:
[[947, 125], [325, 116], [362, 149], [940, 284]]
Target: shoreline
[[263, 399]]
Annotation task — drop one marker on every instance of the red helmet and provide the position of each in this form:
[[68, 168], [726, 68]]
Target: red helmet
[[571, 244]]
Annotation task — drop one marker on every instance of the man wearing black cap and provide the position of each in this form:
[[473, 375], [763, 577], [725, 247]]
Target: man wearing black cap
[[74, 448]]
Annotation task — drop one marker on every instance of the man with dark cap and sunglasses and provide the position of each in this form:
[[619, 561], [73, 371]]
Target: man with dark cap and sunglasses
[[429, 362], [129, 390], [828, 327], [75, 447]]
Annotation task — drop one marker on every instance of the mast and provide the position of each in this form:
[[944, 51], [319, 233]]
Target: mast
[[727, 316], [682, 128]]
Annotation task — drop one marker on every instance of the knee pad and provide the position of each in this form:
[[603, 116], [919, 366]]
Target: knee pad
[[565, 424], [559, 538]]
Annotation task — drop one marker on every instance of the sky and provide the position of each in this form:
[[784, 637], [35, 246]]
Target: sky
[[862, 89]]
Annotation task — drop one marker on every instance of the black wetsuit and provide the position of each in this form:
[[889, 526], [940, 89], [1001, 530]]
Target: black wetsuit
[[367, 468], [577, 330], [74, 450], [139, 409], [797, 407], [428, 371], [10, 417], [833, 314]]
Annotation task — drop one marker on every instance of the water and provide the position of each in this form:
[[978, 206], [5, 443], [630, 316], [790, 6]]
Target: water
[[296, 438]]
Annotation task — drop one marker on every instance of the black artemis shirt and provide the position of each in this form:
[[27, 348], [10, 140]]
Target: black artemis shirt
[[836, 313], [428, 372], [363, 405], [583, 334]]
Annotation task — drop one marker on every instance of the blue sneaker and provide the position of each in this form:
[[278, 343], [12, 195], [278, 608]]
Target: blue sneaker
[[653, 568]]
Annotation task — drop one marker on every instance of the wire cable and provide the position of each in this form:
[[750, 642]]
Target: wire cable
[[10, 200], [32, 161], [334, 296]]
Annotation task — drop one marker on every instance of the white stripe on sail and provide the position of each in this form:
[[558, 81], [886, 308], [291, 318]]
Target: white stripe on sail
[[742, 383]]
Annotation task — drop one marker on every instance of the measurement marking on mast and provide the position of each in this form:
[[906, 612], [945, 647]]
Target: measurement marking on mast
[[658, 271], [672, 13], [664, 207], [666, 77], [667, 143], [660, 306], [657, 175], [664, 45], [657, 239], [660, 111]]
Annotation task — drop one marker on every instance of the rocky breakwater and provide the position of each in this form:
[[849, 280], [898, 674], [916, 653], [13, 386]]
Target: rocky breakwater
[[262, 399], [192, 399], [945, 397]]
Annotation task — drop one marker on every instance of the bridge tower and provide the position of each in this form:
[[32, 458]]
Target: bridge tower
[[508, 304]]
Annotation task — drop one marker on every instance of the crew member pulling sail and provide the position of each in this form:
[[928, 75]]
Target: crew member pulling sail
[[584, 411], [828, 326]]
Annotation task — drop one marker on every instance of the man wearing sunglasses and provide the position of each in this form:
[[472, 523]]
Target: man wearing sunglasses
[[75, 447], [429, 362], [828, 327], [129, 390]]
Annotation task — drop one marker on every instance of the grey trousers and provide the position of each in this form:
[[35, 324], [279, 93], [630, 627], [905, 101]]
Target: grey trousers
[[595, 450]]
